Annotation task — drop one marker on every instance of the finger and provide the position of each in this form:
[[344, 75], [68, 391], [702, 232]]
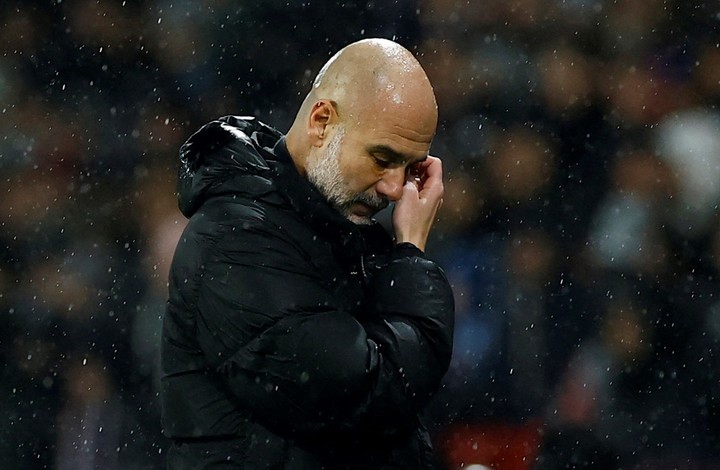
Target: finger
[[414, 173], [421, 167], [411, 186], [417, 169], [433, 174], [433, 165]]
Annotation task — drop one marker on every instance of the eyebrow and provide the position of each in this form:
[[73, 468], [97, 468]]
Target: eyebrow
[[392, 154]]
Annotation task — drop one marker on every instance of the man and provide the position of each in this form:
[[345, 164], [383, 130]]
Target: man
[[298, 335]]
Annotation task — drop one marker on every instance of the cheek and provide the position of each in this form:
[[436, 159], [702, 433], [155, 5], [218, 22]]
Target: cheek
[[361, 175], [357, 169]]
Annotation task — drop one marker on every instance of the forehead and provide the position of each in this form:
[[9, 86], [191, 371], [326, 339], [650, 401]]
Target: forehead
[[391, 128]]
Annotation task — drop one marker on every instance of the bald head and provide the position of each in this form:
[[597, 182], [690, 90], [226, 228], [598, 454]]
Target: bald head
[[366, 78], [373, 72]]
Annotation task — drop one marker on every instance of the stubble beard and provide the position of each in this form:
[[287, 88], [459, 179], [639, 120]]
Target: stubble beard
[[323, 172]]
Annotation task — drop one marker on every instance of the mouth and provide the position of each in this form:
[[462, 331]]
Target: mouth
[[360, 209], [363, 209]]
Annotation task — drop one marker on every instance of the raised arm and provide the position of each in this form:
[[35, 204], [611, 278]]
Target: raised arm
[[415, 211]]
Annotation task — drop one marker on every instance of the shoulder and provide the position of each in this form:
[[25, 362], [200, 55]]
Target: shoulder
[[222, 150]]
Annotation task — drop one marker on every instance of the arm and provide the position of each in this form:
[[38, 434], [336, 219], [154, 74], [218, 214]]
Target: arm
[[313, 366], [422, 195]]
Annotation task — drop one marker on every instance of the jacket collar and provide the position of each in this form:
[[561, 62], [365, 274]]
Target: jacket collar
[[313, 207]]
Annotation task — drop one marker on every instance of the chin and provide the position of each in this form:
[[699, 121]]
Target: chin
[[359, 219]]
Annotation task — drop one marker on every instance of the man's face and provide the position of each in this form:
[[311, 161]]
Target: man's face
[[325, 173], [362, 168]]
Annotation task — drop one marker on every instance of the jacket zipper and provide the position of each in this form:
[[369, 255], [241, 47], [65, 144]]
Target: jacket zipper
[[362, 267]]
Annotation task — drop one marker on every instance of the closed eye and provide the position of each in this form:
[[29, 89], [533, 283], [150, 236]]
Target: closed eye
[[382, 163], [385, 157]]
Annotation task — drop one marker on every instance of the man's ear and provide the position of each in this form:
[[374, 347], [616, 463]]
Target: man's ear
[[322, 115]]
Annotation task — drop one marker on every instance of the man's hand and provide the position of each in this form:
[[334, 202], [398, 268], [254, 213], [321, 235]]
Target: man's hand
[[422, 195]]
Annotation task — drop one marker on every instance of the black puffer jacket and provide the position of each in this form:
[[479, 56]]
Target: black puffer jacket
[[305, 340]]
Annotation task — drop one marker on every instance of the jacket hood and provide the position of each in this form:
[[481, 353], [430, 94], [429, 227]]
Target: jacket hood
[[219, 151]]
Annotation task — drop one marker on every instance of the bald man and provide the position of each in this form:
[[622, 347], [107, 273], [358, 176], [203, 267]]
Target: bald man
[[299, 334]]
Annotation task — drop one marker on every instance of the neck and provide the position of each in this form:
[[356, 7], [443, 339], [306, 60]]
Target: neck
[[296, 150]]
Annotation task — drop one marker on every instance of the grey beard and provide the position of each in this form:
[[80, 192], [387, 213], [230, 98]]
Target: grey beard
[[324, 173]]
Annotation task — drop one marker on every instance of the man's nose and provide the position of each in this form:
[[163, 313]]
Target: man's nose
[[391, 184]]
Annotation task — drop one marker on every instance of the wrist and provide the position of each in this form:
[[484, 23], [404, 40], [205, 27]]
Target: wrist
[[399, 243], [406, 249], [417, 239]]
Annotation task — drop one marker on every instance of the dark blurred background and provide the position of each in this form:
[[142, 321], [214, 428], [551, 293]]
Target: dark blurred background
[[581, 141]]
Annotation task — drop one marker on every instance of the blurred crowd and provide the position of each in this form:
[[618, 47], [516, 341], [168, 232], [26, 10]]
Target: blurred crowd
[[580, 231]]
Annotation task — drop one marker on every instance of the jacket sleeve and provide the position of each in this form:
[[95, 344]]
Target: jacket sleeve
[[304, 365]]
